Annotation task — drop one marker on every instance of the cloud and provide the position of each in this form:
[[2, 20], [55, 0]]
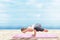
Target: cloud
[[34, 3], [55, 16], [30, 16], [58, 1], [31, 2], [1, 11], [2, 5], [4, 15], [4, 18], [53, 10], [7, 0], [55, 4], [37, 15], [51, 17], [39, 5]]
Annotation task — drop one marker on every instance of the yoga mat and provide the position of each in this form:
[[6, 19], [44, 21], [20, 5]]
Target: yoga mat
[[37, 36]]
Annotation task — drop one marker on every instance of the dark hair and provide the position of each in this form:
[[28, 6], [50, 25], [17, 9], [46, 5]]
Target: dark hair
[[22, 29]]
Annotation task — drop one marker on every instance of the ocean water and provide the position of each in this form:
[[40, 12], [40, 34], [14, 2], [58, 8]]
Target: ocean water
[[19, 27]]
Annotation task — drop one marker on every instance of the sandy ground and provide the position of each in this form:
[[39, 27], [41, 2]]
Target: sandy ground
[[7, 34]]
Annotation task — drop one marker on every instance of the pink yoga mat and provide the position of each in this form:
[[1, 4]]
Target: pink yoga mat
[[37, 36]]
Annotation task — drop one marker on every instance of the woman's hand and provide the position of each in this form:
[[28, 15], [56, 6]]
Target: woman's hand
[[33, 35]]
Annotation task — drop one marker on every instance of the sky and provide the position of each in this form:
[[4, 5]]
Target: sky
[[14, 13]]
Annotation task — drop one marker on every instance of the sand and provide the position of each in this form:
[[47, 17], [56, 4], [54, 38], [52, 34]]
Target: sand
[[7, 34]]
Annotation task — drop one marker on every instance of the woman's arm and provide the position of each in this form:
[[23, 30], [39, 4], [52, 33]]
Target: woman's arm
[[34, 33], [31, 29]]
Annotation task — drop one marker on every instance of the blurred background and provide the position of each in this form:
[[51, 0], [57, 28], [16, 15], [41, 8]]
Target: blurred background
[[15, 14]]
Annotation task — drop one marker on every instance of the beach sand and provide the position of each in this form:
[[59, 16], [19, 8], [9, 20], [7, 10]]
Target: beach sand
[[7, 34]]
